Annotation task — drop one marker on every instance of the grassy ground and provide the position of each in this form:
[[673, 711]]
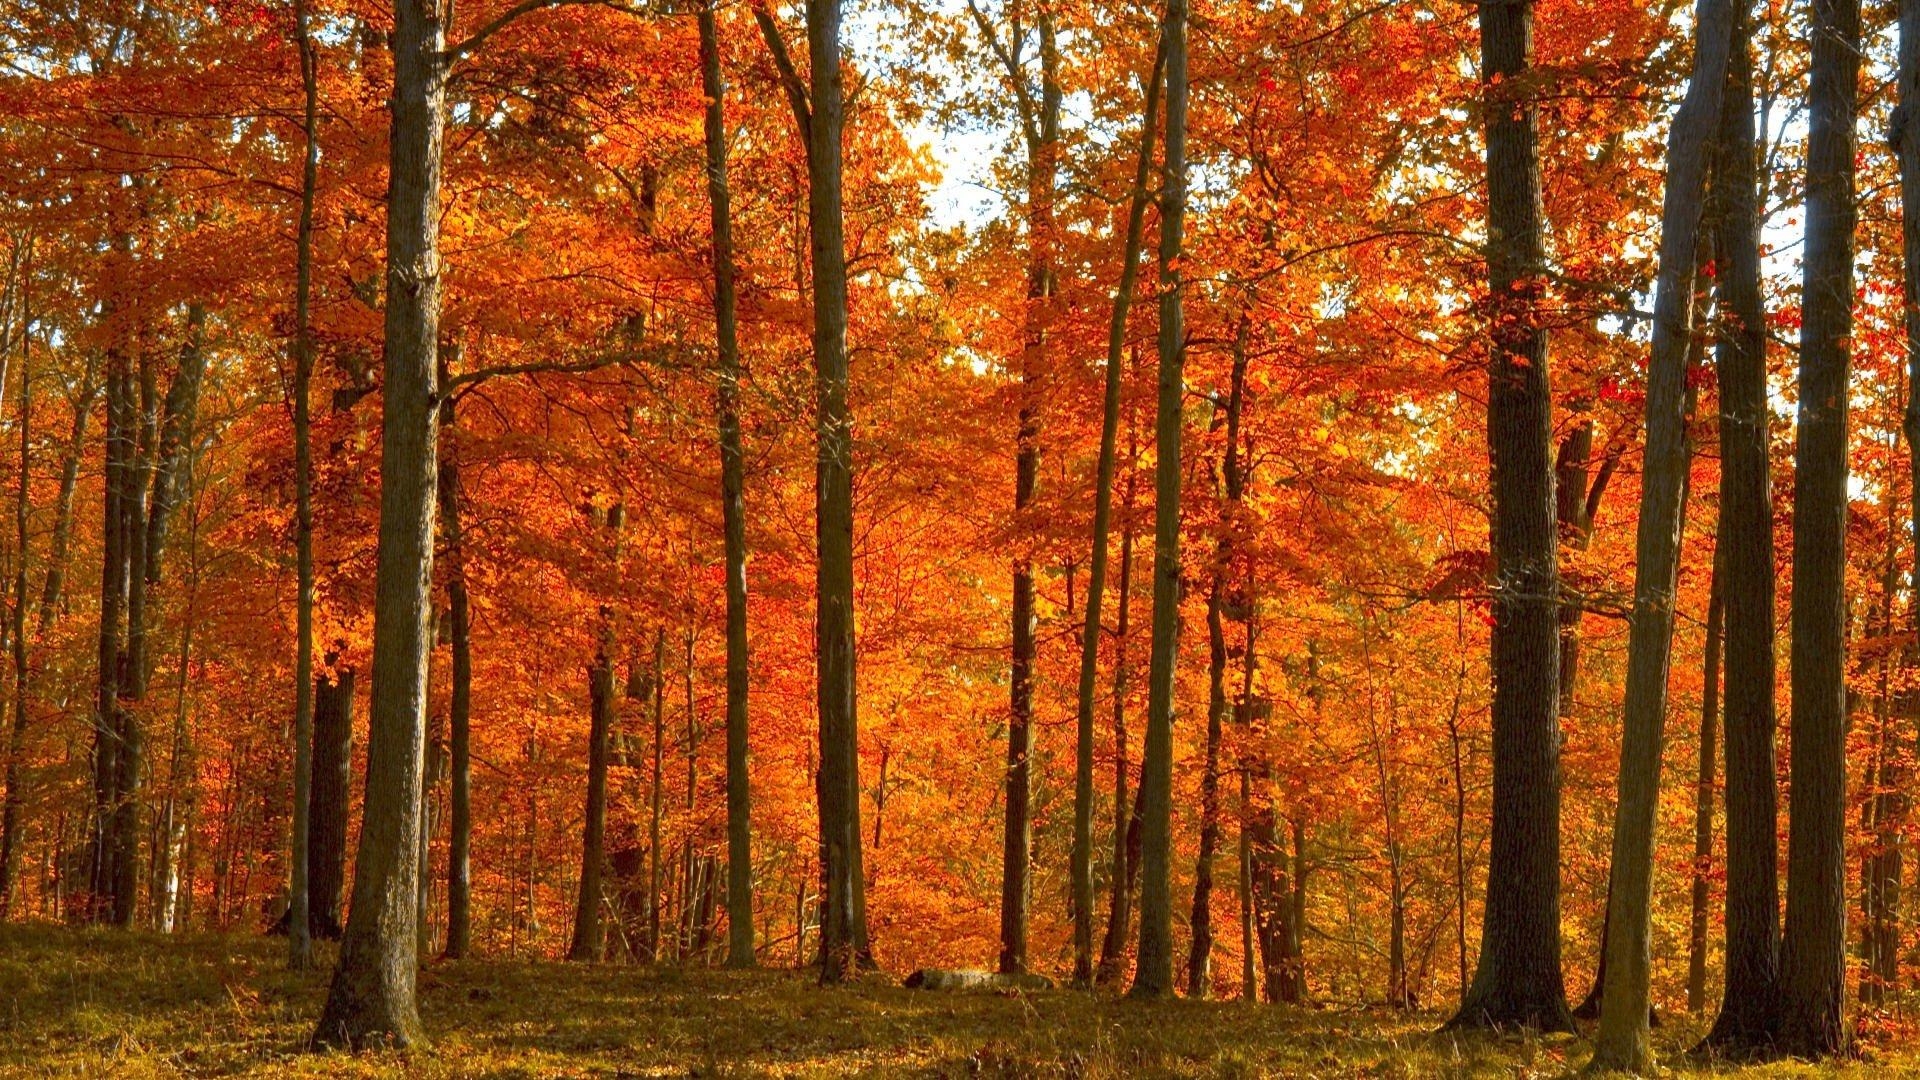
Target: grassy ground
[[133, 1005]]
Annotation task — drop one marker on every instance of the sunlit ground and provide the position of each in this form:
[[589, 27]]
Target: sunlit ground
[[131, 1005]]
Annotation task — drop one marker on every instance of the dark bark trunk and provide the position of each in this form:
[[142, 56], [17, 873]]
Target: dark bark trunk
[[1745, 1022], [1153, 974], [1082, 868], [299, 909], [733, 507], [332, 792], [22, 683], [1518, 982], [371, 1001], [589, 934], [1126, 811], [460, 693], [843, 916], [1813, 943], [1623, 1040], [1703, 797]]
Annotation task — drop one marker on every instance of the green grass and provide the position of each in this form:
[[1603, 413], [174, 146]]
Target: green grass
[[102, 1003]]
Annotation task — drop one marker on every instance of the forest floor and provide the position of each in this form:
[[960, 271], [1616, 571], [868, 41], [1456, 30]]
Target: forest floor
[[101, 1003]]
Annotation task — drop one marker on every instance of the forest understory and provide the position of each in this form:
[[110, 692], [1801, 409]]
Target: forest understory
[[99, 1003]]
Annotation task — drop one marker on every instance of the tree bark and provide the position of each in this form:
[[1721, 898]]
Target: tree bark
[[1813, 944], [733, 507], [22, 682], [371, 1001], [1153, 974], [1082, 858], [1703, 797], [331, 795], [1745, 1022], [1518, 981], [299, 909], [589, 934], [1623, 1040], [460, 690]]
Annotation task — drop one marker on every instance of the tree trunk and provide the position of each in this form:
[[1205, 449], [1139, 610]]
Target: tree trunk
[[1813, 947], [1218, 704], [1623, 1040], [1518, 981], [460, 692], [1153, 975], [1082, 868], [332, 793], [1703, 792], [657, 791], [589, 935], [52, 592], [733, 508], [371, 1001], [1745, 1022], [299, 909], [22, 683], [1126, 811]]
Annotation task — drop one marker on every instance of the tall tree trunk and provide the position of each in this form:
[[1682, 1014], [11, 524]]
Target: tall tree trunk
[[733, 507], [1813, 947], [589, 935], [843, 910], [1153, 974], [1623, 1040], [299, 909], [53, 590], [1126, 811], [460, 692], [1218, 703], [1042, 120], [1518, 981], [22, 682], [107, 731], [1082, 868], [1745, 1022], [371, 1001], [332, 788], [657, 791], [1703, 793], [1906, 143]]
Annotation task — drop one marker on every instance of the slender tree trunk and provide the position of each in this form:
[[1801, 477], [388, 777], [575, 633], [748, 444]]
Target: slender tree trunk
[[1153, 975], [657, 792], [460, 692], [1703, 793], [1623, 1041], [1906, 143], [1218, 703], [733, 507], [1518, 981], [1082, 868], [52, 592], [371, 1001], [1813, 948], [589, 936], [299, 910], [843, 917], [1126, 811], [1745, 1022], [22, 682], [1243, 712]]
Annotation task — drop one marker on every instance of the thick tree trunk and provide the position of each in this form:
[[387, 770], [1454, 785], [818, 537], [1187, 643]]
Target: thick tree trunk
[[733, 506], [1518, 981], [1623, 1040], [1703, 795], [1813, 946], [299, 909], [108, 728], [371, 1001], [1153, 974], [332, 792], [1745, 1021], [1082, 868], [589, 934]]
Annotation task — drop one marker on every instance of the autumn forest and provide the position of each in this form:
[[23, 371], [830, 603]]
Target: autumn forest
[[1398, 517]]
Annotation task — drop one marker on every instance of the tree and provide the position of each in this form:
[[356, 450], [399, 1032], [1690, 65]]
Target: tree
[[1745, 1021], [1813, 945], [1518, 980], [733, 506], [1622, 1042], [1153, 974], [589, 935]]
